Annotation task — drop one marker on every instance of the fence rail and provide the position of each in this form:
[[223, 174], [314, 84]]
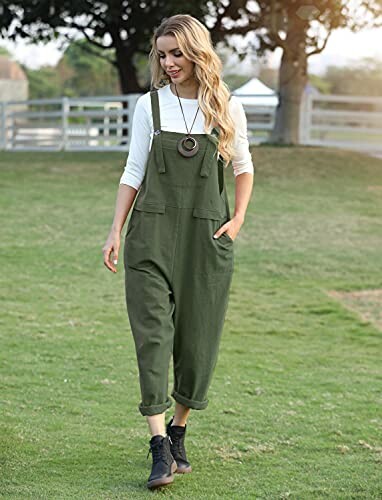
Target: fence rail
[[79, 124], [104, 122], [346, 122]]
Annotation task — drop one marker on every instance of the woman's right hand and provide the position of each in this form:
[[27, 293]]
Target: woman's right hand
[[111, 247]]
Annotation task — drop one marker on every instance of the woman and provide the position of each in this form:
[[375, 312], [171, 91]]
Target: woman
[[178, 252]]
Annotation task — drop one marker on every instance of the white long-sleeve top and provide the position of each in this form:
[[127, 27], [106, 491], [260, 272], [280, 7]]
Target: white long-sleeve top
[[172, 120]]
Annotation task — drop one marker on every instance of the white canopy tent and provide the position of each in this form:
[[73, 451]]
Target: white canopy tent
[[255, 93]]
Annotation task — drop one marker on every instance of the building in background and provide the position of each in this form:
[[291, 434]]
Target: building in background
[[13, 81]]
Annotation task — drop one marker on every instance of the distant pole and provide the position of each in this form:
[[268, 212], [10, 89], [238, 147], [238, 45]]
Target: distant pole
[[3, 130], [65, 113], [303, 118]]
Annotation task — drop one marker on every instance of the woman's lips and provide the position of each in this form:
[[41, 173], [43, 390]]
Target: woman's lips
[[174, 74]]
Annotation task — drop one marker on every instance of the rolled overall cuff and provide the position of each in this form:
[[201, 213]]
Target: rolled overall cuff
[[190, 403], [155, 409]]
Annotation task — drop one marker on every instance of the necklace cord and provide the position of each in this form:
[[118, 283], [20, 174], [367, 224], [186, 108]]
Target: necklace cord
[[181, 107]]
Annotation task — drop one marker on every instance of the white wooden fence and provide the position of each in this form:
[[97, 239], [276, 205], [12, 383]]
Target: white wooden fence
[[104, 123], [347, 122], [79, 124]]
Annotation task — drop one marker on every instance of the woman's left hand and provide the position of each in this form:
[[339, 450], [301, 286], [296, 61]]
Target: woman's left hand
[[232, 227]]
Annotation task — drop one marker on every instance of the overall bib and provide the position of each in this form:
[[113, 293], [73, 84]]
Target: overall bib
[[177, 276]]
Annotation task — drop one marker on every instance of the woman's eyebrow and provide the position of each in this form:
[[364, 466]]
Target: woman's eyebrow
[[172, 50]]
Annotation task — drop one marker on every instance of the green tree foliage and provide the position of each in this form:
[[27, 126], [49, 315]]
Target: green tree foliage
[[43, 83], [4, 52], [85, 74], [78, 73], [360, 78], [320, 83]]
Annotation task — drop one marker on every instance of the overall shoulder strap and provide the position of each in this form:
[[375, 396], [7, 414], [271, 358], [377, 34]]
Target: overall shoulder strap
[[155, 109], [157, 137]]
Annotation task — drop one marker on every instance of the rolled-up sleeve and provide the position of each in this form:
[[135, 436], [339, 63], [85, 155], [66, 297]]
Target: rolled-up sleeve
[[134, 170], [242, 159]]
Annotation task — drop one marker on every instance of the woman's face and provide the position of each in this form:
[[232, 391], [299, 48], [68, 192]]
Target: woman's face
[[173, 61]]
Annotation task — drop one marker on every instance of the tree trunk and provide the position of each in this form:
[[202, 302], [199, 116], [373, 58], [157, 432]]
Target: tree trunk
[[127, 72], [292, 81], [128, 81]]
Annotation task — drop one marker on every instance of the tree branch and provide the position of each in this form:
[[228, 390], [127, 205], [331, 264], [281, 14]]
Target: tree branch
[[318, 50], [82, 29], [231, 11], [88, 50]]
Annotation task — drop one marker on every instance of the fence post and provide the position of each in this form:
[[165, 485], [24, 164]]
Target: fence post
[[65, 113], [132, 101], [303, 118], [3, 130], [306, 118], [128, 122]]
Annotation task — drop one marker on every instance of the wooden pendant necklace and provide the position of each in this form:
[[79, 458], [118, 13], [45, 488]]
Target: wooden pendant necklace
[[187, 146]]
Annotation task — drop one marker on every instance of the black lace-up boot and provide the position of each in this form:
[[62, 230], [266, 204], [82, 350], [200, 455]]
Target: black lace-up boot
[[177, 434], [164, 465]]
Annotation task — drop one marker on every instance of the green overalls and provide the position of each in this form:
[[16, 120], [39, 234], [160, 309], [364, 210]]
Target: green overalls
[[177, 276]]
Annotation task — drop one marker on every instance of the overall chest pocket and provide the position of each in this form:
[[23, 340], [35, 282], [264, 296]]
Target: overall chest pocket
[[148, 221], [149, 207], [144, 236], [217, 220]]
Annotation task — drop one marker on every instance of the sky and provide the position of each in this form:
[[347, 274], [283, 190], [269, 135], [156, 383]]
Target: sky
[[343, 46]]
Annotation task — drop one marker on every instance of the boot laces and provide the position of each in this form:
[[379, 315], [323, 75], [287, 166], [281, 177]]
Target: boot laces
[[158, 452]]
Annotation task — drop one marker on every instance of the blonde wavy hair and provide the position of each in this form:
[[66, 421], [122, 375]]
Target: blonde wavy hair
[[194, 41]]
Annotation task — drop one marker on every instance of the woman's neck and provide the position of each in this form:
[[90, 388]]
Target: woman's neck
[[186, 90]]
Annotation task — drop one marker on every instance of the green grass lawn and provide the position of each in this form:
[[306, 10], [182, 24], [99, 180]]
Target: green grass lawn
[[295, 402]]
